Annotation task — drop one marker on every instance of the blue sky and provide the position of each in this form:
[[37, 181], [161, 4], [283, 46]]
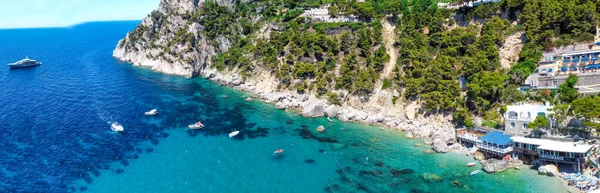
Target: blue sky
[[55, 13]]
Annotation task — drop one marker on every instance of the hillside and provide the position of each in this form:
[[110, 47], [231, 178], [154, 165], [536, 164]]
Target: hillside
[[391, 63]]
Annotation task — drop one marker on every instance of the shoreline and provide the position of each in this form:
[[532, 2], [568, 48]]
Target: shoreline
[[377, 110], [263, 87]]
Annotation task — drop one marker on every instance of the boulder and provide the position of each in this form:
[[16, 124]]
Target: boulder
[[409, 135], [428, 141], [440, 146], [494, 165], [542, 170], [281, 105], [515, 163], [320, 129], [479, 156], [456, 147], [331, 111], [346, 115], [374, 119], [549, 170], [552, 170], [314, 108]]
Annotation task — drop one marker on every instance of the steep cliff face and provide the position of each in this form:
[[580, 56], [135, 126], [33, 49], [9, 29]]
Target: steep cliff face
[[168, 42]]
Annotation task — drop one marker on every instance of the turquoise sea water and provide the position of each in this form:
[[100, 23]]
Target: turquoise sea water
[[56, 136]]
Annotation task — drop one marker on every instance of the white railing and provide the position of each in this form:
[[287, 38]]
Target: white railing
[[495, 149]]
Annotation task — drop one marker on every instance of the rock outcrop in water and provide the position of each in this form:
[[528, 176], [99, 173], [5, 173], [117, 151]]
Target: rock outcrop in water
[[168, 41], [494, 165]]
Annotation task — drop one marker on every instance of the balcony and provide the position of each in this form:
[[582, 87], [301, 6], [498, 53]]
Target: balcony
[[495, 149]]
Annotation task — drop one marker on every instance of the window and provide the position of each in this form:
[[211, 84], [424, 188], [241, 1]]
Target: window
[[554, 82], [528, 114], [512, 115], [524, 125], [512, 125]]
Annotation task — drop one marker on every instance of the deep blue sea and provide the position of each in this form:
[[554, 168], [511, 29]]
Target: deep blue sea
[[55, 133]]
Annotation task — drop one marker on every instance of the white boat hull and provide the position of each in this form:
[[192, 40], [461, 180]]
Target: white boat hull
[[233, 134], [117, 128], [195, 126], [151, 112], [23, 65]]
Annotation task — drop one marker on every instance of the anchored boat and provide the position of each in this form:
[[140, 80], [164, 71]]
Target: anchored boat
[[115, 126], [234, 133], [151, 112], [197, 125]]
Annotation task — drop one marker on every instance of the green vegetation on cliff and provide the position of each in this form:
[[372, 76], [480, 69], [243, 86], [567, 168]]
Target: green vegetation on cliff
[[437, 47]]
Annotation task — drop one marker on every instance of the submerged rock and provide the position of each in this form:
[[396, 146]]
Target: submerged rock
[[396, 172], [429, 177], [337, 146], [494, 165], [428, 151], [456, 183], [417, 144], [249, 99]]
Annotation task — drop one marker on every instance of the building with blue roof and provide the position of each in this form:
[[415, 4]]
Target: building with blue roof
[[495, 143]]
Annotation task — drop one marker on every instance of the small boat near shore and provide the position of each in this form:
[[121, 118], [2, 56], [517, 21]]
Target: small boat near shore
[[151, 112], [278, 151], [471, 164], [115, 126], [234, 133], [197, 125], [475, 172]]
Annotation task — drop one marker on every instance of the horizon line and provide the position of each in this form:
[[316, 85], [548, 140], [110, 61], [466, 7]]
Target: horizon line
[[69, 26]]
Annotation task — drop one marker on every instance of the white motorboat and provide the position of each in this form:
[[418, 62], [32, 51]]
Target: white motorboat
[[197, 125], [115, 126], [471, 164], [151, 112], [475, 172], [278, 151], [234, 133]]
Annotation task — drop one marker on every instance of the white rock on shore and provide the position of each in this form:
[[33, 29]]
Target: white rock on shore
[[440, 146]]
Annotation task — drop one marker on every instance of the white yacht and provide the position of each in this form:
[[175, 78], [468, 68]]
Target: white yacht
[[116, 127], [24, 63]]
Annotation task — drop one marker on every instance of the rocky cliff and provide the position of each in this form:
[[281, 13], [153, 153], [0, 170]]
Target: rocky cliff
[[178, 39]]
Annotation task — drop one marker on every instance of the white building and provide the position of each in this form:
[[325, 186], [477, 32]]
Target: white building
[[520, 115]]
